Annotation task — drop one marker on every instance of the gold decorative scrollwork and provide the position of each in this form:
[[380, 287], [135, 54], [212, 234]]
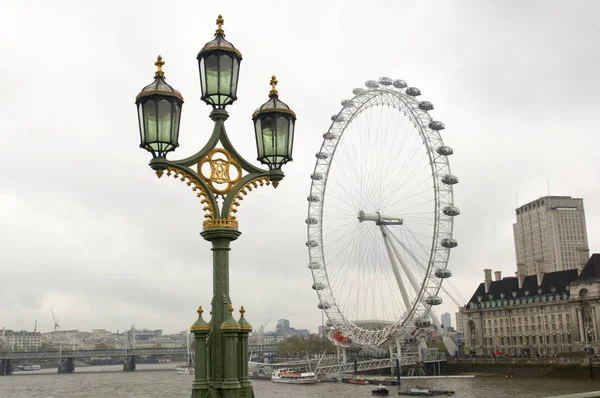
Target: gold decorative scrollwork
[[219, 176], [190, 180], [255, 183]]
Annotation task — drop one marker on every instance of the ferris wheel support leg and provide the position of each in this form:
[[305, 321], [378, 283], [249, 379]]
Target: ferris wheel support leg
[[395, 269], [341, 354]]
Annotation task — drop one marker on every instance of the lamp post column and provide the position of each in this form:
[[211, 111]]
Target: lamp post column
[[220, 237]]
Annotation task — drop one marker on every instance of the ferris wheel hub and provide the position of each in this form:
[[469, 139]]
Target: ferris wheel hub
[[379, 219]]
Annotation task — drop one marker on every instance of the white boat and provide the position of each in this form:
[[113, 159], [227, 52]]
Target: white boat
[[291, 376], [31, 367], [185, 370]]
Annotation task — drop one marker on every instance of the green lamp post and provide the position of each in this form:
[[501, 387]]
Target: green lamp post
[[220, 177]]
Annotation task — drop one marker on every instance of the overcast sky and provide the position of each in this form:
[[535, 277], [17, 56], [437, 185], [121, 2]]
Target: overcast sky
[[87, 229]]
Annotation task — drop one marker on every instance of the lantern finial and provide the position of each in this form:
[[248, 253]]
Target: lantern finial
[[159, 64], [273, 84], [220, 22]]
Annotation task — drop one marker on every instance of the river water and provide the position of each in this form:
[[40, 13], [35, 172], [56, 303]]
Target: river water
[[162, 381]]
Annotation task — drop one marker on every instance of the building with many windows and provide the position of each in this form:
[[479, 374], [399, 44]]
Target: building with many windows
[[547, 313], [550, 235], [21, 340], [446, 320]]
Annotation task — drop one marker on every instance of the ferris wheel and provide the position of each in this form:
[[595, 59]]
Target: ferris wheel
[[380, 215]]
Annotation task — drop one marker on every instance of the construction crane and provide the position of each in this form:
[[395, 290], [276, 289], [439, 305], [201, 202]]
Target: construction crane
[[56, 325]]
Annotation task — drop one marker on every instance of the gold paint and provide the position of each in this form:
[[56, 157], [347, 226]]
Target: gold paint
[[280, 110], [206, 327], [234, 326], [242, 310], [255, 183], [190, 180], [273, 84], [159, 64], [220, 170], [220, 222], [220, 22], [160, 92], [230, 309], [231, 49], [159, 173], [200, 311]]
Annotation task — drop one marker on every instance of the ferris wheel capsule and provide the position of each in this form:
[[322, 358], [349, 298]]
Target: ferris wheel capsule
[[413, 91], [314, 265], [324, 305], [318, 286], [433, 300], [425, 106], [445, 150], [422, 322], [358, 90], [399, 83], [450, 179], [443, 273], [451, 211], [371, 84], [449, 243], [385, 81], [436, 125], [311, 221]]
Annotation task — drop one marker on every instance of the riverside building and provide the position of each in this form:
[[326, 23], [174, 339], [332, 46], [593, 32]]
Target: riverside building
[[551, 235], [546, 313]]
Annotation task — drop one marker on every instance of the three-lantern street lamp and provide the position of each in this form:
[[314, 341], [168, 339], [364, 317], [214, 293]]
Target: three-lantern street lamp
[[220, 177]]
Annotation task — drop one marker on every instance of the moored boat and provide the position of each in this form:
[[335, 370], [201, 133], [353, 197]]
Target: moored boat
[[380, 391], [30, 367], [291, 376], [185, 370], [359, 381]]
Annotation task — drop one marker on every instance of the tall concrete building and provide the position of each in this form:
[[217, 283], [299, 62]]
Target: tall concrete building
[[446, 320], [550, 235]]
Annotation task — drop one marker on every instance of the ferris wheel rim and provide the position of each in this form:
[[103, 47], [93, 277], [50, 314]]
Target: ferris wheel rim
[[365, 99]]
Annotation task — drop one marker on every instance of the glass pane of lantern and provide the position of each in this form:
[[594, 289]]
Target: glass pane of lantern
[[212, 77], [282, 137], [141, 122], [268, 137], [226, 66], [165, 112], [234, 77], [202, 76], [290, 140], [151, 127], [259, 139], [175, 125]]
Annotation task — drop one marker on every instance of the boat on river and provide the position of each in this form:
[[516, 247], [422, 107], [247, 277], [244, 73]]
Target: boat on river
[[380, 391], [291, 376], [426, 392]]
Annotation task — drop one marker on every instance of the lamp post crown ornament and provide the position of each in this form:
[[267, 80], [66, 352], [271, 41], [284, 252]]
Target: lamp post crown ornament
[[159, 64], [220, 23], [242, 310], [200, 311], [230, 309], [273, 84]]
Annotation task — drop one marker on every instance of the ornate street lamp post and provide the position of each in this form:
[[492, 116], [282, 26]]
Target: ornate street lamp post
[[220, 177]]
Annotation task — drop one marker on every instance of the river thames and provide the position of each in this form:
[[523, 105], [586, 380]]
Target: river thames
[[162, 381]]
